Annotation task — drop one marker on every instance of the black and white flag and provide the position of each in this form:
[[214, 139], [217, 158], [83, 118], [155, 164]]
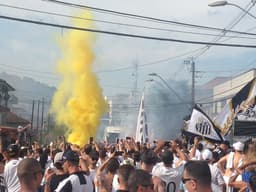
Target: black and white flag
[[240, 106], [248, 115], [142, 127], [201, 125]]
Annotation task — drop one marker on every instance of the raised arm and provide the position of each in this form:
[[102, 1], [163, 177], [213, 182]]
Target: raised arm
[[159, 146], [176, 147], [192, 152]]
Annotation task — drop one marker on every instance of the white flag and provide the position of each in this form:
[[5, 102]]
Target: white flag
[[200, 124], [142, 127]]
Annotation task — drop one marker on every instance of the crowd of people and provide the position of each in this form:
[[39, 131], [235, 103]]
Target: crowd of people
[[129, 166]]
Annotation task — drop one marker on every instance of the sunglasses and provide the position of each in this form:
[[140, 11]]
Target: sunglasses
[[184, 180]]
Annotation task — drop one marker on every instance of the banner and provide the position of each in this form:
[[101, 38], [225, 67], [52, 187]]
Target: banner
[[236, 107], [142, 127], [201, 125], [248, 115]]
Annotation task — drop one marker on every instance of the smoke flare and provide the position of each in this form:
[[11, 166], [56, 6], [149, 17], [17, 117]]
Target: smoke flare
[[78, 102]]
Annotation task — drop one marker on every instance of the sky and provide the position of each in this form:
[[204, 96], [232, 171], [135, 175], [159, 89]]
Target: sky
[[32, 50], [122, 63]]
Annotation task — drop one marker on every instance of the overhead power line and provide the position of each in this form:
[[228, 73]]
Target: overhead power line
[[228, 38], [221, 93], [224, 33], [149, 63], [205, 98], [123, 24], [125, 34], [27, 70], [215, 101], [145, 17], [29, 73]]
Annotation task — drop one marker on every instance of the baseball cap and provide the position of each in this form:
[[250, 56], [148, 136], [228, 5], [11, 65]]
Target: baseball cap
[[58, 158], [71, 156], [13, 150], [207, 154], [238, 146]]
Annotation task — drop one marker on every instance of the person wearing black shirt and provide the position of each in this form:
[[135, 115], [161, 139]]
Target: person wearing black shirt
[[54, 177], [77, 181]]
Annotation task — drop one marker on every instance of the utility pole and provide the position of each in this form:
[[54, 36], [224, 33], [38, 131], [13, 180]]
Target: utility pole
[[32, 115], [193, 71], [48, 122], [37, 120], [193, 83], [42, 121], [32, 122]]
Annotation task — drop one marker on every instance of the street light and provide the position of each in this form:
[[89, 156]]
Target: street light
[[158, 82], [223, 3], [218, 3], [149, 80], [164, 81]]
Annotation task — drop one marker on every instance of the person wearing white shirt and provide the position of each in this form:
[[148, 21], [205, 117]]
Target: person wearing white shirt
[[169, 173], [218, 183], [10, 170]]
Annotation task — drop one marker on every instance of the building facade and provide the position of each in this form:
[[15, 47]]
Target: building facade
[[226, 90]]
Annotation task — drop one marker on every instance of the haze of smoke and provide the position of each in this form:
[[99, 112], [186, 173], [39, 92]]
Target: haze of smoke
[[78, 102], [165, 120], [165, 112], [129, 119]]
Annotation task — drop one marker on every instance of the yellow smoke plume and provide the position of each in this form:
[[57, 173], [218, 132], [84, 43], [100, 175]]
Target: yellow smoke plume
[[78, 102]]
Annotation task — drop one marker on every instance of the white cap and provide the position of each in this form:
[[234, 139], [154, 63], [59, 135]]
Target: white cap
[[238, 146], [58, 158], [206, 154]]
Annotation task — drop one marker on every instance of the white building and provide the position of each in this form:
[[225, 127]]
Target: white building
[[224, 91], [213, 95]]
